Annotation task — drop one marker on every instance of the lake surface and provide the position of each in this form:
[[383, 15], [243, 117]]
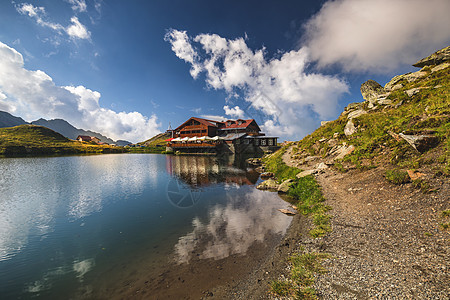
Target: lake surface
[[117, 225]]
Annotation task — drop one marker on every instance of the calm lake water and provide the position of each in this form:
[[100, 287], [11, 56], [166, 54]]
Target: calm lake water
[[92, 226]]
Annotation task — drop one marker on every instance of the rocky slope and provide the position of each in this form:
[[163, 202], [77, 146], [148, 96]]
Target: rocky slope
[[384, 169]]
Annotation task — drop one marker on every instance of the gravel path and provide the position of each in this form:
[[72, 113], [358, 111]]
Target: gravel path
[[386, 241]]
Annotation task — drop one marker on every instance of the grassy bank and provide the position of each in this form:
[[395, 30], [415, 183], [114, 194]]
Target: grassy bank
[[306, 195], [38, 140]]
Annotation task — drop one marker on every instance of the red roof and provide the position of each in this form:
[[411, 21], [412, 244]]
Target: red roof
[[206, 122], [239, 123], [229, 124]]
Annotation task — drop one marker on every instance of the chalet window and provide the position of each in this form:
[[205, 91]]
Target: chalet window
[[263, 142], [203, 131], [257, 142], [240, 122], [270, 142], [247, 141]]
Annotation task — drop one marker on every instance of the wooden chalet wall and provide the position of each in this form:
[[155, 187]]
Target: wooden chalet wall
[[194, 128]]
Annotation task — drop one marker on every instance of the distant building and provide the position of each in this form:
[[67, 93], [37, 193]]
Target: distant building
[[170, 130], [233, 136], [85, 138]]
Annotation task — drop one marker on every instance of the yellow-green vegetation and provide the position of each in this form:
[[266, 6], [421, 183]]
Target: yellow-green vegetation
[[305, 192], [445, 216], [156, 144], [397, 176], [300, 284], [274, 163], [39, 140]]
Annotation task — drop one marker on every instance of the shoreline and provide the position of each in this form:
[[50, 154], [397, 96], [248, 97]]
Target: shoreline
[[256, 284]]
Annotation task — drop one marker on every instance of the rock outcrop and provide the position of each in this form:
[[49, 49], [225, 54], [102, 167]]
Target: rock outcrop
[[269, 184], [436, 58], [421, 142], [371, 91]]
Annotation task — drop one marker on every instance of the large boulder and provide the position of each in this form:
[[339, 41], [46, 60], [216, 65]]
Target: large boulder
[[306, 173], [436, 58], [350, 128], [421, 142], [371, 91], [269, 184]]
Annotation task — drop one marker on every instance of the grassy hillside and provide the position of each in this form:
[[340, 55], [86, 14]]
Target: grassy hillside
[[156, 144], [367, 135], [39, 140], [376, 141], [157, 140]]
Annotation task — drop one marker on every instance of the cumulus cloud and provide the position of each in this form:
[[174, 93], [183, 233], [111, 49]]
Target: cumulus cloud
[[33, 94], [289, 100], [76, 30], [234, 112], [377, 35]]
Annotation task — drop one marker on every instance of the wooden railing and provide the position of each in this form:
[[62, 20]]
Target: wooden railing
[[192, 145]]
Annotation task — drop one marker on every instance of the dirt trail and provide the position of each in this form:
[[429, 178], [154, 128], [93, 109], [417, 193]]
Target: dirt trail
[[386, 240]]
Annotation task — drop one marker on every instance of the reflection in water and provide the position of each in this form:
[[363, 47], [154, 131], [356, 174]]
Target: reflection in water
[[68, 224], [198, 171], [35, 190], [232, 228], [82, 267]]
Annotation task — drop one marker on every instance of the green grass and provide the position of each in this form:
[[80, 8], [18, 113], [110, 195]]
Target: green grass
[[397, 176], [306, 193], [156, 150], [158, 140], [445, 224], [39, 140], [274, 163], [304, 266]]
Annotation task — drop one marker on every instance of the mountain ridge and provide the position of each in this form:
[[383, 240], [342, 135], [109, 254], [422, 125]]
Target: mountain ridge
[[59, 125]]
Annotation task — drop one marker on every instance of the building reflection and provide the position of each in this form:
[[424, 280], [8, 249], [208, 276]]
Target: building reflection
[[199, 171]]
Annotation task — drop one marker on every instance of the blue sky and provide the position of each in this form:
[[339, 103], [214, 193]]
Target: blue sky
[[128, 68]]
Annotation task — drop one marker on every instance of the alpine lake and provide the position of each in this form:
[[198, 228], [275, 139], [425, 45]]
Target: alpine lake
[[141, 226]]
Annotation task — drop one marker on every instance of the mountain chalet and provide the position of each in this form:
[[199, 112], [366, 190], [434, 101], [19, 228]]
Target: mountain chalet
[[198, 135]]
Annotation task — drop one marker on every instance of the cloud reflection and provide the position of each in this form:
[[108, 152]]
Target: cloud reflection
[[234, 227], [35, 192]]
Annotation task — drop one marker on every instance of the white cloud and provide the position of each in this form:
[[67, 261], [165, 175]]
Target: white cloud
[[290, 100], [78, 5], [234, 112], [214, 117], [377, 35], [33, 94], [183, 49], [76, 30]]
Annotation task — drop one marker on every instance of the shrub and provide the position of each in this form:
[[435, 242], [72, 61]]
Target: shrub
[[397, 176]]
